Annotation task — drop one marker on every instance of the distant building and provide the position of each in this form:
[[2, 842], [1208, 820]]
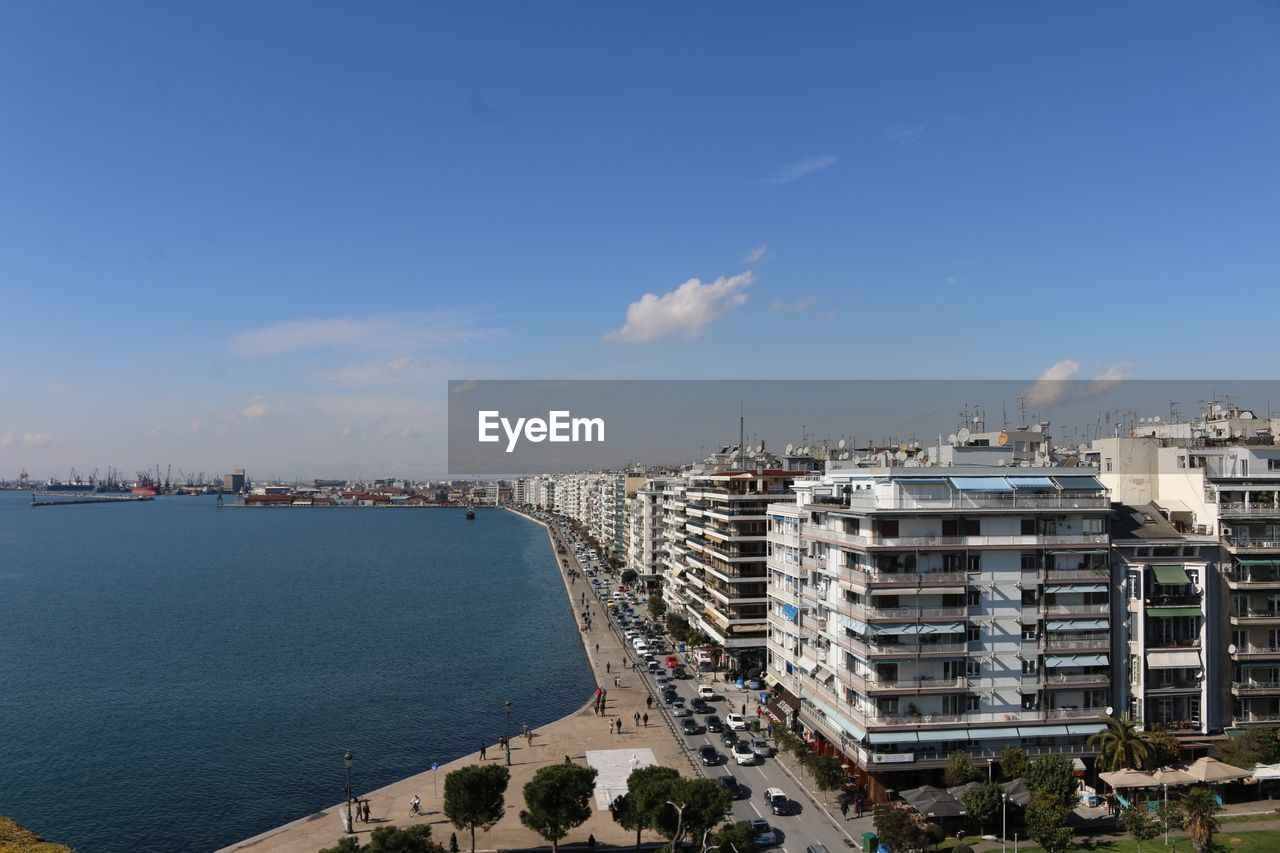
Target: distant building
[[234, 483]]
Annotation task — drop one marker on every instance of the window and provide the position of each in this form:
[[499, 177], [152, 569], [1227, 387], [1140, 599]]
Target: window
[[973, 668], [974, 598], [1029, 667], [972, 633], [1106, 464], [1095, 525], [1135, 585], [1273, 464], [1029, 561], [889, 528], [972, 703], [1182, 462]]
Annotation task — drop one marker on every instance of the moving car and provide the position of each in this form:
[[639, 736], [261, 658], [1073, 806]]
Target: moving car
[[761, 747], [731, 785], [765, 836], [737, 722], [742, 753], [714, 724], [706, 692], [816, 848], [709, 756], [699, 706], [678, 709], [778, 802], [728, 737], [680, 672], [691, 727]]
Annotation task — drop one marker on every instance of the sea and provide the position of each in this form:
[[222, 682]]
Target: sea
[[178, 676]]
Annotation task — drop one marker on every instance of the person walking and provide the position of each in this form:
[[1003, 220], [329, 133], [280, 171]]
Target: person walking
[[861, 804], [648, 702], [646, 720], [637, 716], [844, 808], [619, 725], [597, 648], [608, 666], [482, 752], [366, 811]]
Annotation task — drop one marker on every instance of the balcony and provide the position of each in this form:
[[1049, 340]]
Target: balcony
[[1257, 652], [1031, 541], [913, 614], [1082, 642], [1256, 719], [1239, 510], [886, 650], [916, 579], [1254, 688], [1077, 609], [1074, 679], [1058, 576], [1173, 685], [965, 501], [1249, 543], [1256, 577], [1256, 617], [922, 684]]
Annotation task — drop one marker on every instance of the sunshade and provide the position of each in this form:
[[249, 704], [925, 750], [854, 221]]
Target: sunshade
[[962, 791], [1169, 612], [1172, 776], [981, 484], [1266, 772], [933, 802], [1126, 779], [1171, 575], [1208, 769], [1018, 792]]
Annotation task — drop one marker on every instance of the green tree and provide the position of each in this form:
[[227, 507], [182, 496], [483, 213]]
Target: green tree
[[1165, 749], [677, 626], [657, 607], [734, 838], [1120, 745], [557, 799], [1200, 810], [1138, 824], [693, 808], [1169, 815], [983, 804], [959, 770], [629, 576], [1250, 747], [346, 844], [1047, 822], [648, 789], [391, 839], [826, 771], [900, 827], [474, 796], [1054, 777], [1013, 763]]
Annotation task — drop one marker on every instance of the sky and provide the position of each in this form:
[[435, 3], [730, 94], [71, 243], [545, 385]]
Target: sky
[[266, 235]]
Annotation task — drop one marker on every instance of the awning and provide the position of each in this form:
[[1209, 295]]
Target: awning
[[1086, 587], [1056, 661], [909, 481], [790, 611], [1173, 660], [933, 736], [783, 707], [1258, 562], [1079, 484], [981, 484], [1170, 612], [992, 734], [1172, 505], [1171, 575], [1079, 625], [1031, 482], [921, 628], [1087, 729], [1043, 731], [891, 737]]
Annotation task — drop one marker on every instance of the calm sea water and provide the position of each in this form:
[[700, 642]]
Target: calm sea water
[[177, 677]]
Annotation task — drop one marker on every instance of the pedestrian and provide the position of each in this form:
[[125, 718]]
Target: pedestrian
[[861, 805], [453, 842], [637, 715], [844, 807], [597, 648], [619, 725], [591, 843], [648, 703], [646, 720], [524, 728], [611, 727], [529, 735], [482, 752], [744, 709], [366, 811], [608, 666]]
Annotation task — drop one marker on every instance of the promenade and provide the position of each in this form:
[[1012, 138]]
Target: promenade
[[573, 736]]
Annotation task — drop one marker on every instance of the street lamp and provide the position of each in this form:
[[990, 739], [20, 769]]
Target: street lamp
[[989, 764], [508, 740], [1166, 813], [1004, 819], [351, 827]]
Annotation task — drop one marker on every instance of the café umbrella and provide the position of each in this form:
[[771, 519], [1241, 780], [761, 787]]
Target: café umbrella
[[1212, 770], [1172, 776], [1127, 778], [933, 802]]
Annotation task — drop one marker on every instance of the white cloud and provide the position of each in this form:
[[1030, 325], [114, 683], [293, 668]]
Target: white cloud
[[795, 171], [799, 305], [1056, 384], [906, 135], [400, 369], [951, 279], [30, 439], [402, 330], [256, 408], [685, 311], [9, 439], [754, 255]]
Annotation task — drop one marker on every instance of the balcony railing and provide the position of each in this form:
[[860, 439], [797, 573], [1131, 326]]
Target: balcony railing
[[921, 683], [912, 613], [1258, 543], [1051, 679], [1029, 541], [1089, 609], [1255, 614], [1057, 642], [871, 503], [1052, 576], [1026, 716], [1250, 510], [1243, 688], [1242, 575], [1257, 651]]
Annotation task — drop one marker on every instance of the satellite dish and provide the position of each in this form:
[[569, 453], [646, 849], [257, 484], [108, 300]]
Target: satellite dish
[[844, 455], [1231, 649], [963, 435], [1110, 710], [1156, 419], [951, 439], [840, 444], [1037, 428], [1084, 448], [900, 456], [790, 448], [759, 448]]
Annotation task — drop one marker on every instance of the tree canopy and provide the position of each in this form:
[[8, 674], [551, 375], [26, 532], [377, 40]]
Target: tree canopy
[[474, 797], [557, 799], [983, 803], [1120, 745], [390, 839], [900, 827], [647, 792], [1047, 821]]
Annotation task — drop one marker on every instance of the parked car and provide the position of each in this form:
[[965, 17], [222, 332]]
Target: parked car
[[816, 848], [714, 724], [761, 747], [742, 753], [709, 756], [737, 722], [778, 802], [691, 726], [765, 835]]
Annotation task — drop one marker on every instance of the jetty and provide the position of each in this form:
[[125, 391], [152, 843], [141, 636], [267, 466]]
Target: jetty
[[55, 499]]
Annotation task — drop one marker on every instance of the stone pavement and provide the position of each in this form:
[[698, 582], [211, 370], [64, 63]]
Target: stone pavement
[[573, 736]]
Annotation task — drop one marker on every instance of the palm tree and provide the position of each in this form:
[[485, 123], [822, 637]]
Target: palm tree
[[1120, 745], [1199, 808]]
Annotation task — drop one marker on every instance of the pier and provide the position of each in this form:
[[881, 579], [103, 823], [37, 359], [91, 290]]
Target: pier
[[54, 499]]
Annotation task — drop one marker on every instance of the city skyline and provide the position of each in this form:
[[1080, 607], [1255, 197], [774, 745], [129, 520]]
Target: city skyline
[[267, 237]]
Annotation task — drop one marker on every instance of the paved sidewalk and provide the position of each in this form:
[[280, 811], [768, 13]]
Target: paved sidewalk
[[572, 735]]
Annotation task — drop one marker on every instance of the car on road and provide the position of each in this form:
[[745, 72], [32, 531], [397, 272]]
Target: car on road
[[653, 667], [708, 756], [672, 661], [715, 724], [816, 848], [737, 722], [661, 677], [680, 672], [691, 726], [678, 709], [731, 785], [765, 835], [706, 692], [761, 747], [742, 753], [778, 802], [728, 737], [699, 706]]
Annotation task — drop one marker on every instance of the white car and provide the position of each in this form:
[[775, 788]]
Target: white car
[[707, 692], [742, 753], [761, 747], [736, 722], [679, 710]]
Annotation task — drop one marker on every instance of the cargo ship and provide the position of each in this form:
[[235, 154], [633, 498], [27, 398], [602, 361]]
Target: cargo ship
[[146, 486]]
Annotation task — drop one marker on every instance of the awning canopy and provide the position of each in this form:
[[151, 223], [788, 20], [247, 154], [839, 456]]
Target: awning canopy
[[981, 484], [1173, 660], [936, 735], [992, 734], [1057, 661], [1079, 484], [1043, 731], [891, 737], [1077, 625], [1171, 575], [790, 611], [1086, 728], [1084, 587], [1170, 612], [1031, 482], [1258, 562], [1172, 505], [920, 628]]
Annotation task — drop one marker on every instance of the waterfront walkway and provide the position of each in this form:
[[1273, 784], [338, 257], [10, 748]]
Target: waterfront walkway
[[573, 735]]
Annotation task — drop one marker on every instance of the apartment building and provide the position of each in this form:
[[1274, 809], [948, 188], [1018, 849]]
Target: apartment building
[[917, 611], [646, 542]]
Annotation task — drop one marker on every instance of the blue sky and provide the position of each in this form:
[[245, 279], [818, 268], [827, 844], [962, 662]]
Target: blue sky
[[265, 234]]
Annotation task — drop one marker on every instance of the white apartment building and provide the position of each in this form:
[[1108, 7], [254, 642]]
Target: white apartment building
[[917, 611]]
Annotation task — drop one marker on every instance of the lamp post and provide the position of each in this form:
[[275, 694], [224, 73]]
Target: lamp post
[[989, 765], [508, 740], [351, 827], [1004, 819], [1166, 813]]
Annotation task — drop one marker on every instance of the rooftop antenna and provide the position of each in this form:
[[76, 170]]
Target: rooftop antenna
[[1022, 407], [742, 458]]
